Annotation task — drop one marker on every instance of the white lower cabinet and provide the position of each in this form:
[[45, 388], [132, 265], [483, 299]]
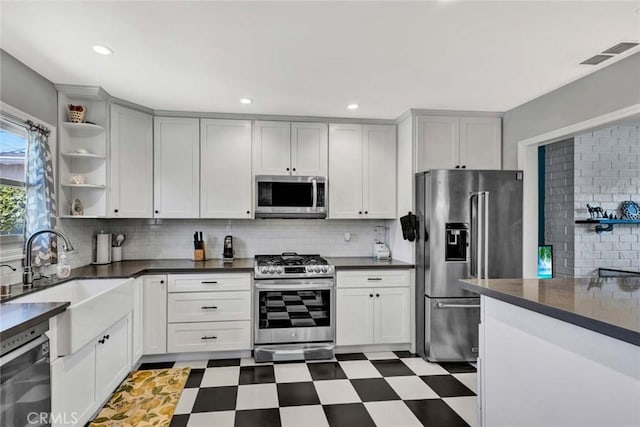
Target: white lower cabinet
[[137, 327], [354, 317], [373, 307], [391, 315], [209, 312], [154, 317], [209, 336], [82, 381]]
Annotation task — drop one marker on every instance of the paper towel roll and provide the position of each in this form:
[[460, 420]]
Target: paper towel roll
[[103, 248]]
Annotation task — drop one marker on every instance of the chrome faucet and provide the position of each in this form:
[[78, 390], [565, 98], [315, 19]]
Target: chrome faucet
[[27, 275]]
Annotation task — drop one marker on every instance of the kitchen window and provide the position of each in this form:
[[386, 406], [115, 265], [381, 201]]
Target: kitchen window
[[13, 147]]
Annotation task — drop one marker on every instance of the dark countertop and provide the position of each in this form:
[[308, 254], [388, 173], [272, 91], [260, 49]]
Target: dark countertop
[[355, 263], [607, 305], [18, 317], [135, 268]]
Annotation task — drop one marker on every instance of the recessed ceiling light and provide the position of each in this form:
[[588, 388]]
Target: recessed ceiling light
[[246, 100], [353, 106], [102, 50]]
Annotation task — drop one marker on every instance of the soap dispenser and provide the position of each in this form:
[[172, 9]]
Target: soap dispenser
[[63, 269]]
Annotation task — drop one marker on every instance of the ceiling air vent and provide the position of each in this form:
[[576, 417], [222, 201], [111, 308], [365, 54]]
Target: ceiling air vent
[[595, 60], [621, 47]]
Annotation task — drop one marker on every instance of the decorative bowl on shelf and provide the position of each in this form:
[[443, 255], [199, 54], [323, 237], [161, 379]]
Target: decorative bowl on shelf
[[78, 179], [630, 210], [77, 113]]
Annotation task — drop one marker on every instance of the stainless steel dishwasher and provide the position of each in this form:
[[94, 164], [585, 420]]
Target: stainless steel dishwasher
[[25, 378]]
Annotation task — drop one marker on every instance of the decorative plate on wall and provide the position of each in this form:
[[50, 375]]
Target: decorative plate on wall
[[630, 210]]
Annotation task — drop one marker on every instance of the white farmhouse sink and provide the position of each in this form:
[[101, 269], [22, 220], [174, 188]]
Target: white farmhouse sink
[[96, 304]]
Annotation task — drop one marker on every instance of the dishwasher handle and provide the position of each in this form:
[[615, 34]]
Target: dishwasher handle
[[445, 305]]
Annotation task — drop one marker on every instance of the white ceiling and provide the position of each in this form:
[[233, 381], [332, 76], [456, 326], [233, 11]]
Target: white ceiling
[[314, 58]]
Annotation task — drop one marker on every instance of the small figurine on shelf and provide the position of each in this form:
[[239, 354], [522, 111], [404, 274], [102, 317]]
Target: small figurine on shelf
[[595, 212], [76, 208]]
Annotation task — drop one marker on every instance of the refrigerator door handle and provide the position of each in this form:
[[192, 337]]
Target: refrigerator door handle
[[485, 238], [477, 232], [445, 305]]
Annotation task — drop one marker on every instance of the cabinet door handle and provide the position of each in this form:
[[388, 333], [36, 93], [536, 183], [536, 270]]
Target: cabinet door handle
[[209, 282], [366, 212], [115, 210], [370, 295], [294, 169], [287, 169], [359, 212], [377, 295], [162, 282], [209, 337], [101, 341], [106, 337], [374, 279], [248, 212], [157, 211], [209, 307], [464, 166]]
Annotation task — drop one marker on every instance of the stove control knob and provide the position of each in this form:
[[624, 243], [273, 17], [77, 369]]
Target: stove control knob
[[279, 270], [272, 269], [325, 269], [264, 270], [309, 269], [317, 269]]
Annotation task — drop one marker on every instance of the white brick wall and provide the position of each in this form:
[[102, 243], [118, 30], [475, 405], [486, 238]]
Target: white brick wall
[[558, 207], [607, 172]]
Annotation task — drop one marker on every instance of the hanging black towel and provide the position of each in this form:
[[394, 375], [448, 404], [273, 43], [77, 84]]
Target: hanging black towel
[[409, 224]]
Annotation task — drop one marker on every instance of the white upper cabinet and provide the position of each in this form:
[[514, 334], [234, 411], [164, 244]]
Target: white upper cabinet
[[481, 142], [131, 163], [345, 171], [176, 144], [438, 146], [225, 169], [309, 149], [271, 148], [362, 171], [379, 167], [283, 148], [450, 142]]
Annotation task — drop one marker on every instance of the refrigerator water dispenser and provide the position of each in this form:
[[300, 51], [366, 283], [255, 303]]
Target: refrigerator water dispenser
[[457, 243]]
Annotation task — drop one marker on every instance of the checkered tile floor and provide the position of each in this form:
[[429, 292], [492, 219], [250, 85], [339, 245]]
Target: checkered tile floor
[[395, 389]]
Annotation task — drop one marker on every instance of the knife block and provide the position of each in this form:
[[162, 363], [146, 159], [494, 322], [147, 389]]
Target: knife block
[[199, 254]]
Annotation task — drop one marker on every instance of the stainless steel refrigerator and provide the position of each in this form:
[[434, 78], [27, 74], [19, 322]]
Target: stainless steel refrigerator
[[469, 225]]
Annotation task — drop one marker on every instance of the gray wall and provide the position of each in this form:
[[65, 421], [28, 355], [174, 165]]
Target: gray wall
[[26, 90], [612, 88], [559, 205]]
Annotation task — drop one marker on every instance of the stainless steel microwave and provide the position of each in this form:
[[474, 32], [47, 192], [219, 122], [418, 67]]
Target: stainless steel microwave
[[290, 196]]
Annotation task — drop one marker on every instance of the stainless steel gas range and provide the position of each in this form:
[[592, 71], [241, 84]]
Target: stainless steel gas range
[[294, 307]]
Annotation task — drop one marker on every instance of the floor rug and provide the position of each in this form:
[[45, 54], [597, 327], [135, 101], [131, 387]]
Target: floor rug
[[145, 398]]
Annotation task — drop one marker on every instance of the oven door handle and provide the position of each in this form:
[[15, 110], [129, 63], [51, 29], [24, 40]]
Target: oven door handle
[[306, 287]]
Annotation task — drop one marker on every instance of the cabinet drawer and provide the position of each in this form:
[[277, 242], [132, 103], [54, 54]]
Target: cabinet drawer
[[209, 282], [209, 336], [372, 278], [209, 306]]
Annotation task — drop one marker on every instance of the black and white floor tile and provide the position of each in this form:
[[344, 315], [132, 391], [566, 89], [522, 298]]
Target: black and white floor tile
[[386, 389]]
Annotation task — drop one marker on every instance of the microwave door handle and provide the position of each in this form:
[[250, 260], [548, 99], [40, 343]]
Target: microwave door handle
[[314, 195]]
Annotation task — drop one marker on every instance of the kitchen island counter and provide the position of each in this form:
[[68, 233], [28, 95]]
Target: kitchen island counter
[[559, 352], [607, 305]]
